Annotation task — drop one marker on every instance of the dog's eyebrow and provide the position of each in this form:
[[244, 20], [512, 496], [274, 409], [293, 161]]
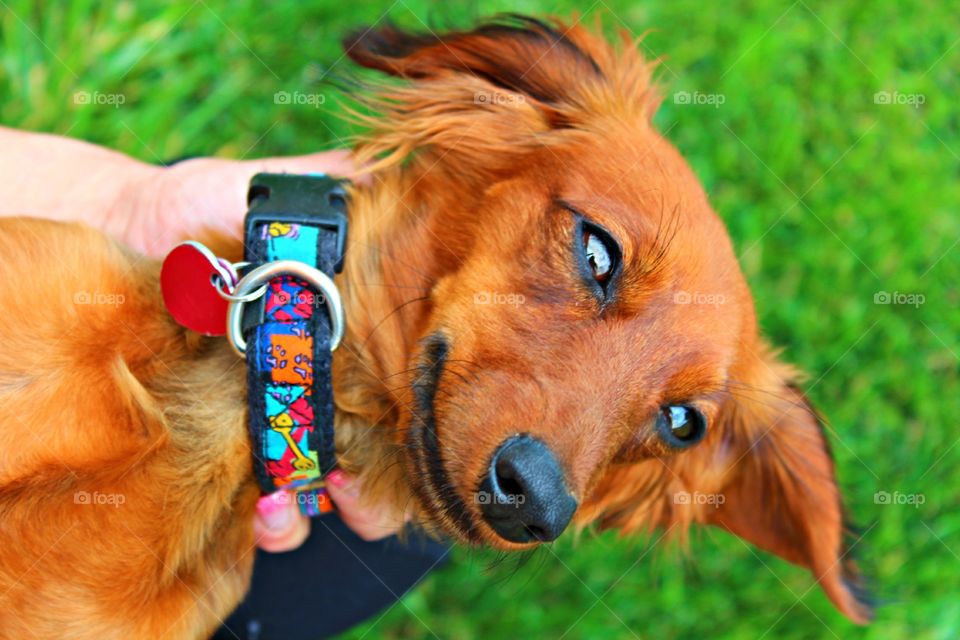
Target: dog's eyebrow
[[624, 222], [563, 204]]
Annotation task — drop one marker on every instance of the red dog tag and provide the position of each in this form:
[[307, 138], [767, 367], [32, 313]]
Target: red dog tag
[[186, 280]]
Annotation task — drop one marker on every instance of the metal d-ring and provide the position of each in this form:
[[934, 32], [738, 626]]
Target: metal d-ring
[[263, 274]]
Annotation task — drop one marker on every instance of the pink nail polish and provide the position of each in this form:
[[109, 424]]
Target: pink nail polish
[[337, 478], [275, 511]]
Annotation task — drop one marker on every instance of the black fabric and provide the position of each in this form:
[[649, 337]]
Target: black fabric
[[323, 407], [331, 583]]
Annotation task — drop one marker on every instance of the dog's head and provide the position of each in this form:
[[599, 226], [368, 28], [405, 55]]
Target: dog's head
[[588, 350]]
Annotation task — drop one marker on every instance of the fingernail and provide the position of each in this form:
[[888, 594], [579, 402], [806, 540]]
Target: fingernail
[[345, 483], [337, 478], [275, 510]]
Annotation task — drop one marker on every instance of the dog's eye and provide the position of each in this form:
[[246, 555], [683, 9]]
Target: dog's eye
[[681, 425], [599, 259], [599, 256]]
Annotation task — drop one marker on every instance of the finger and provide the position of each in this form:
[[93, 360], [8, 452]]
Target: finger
[[278, 525], [369, 521], [338, 162]]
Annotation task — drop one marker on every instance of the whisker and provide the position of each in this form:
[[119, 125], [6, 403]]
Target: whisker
[[386, 317]]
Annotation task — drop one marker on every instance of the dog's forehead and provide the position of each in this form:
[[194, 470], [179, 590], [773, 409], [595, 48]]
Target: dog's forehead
[[631, 174]]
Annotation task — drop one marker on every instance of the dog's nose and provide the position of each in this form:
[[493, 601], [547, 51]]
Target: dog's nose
[[525, 496]]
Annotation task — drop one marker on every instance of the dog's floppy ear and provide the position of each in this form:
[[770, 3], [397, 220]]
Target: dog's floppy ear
[[780, 490], [495, 91], [515, 53]]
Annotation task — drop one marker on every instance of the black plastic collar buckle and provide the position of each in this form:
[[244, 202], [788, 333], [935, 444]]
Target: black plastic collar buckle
[[315, 199]]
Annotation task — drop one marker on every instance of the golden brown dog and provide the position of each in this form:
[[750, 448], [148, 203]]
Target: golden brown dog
[[544, 315]]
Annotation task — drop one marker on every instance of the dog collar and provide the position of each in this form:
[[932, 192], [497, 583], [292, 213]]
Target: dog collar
[[294, 238], [284, 316]]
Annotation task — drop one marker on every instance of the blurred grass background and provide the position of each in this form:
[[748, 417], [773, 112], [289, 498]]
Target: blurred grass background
[[830, 196]]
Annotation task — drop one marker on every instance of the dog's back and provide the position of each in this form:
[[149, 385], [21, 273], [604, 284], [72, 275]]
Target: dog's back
[[107, 428]]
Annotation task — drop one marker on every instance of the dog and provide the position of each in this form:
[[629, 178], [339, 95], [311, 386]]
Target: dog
[[546, 328]]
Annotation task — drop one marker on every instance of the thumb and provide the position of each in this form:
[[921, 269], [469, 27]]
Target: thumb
[[278, 525]]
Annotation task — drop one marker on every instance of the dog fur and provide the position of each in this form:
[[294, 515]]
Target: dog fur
[[478, 156]]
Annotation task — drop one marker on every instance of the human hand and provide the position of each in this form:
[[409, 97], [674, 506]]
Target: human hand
[[278, 525]]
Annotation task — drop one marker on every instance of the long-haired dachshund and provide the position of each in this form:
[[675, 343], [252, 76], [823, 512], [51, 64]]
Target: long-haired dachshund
[[546, 327]]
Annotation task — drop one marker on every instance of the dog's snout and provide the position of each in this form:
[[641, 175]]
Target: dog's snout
[[525, 496]]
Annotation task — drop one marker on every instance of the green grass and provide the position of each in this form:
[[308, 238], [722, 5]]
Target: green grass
[[829, 196]]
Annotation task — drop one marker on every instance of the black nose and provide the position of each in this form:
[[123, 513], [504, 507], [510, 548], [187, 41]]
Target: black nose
[[525, 497]]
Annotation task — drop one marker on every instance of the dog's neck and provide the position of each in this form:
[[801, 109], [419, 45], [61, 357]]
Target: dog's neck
[[391, 267]]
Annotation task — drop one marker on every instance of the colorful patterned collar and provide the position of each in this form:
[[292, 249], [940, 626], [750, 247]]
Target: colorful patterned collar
[[287, 313]]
